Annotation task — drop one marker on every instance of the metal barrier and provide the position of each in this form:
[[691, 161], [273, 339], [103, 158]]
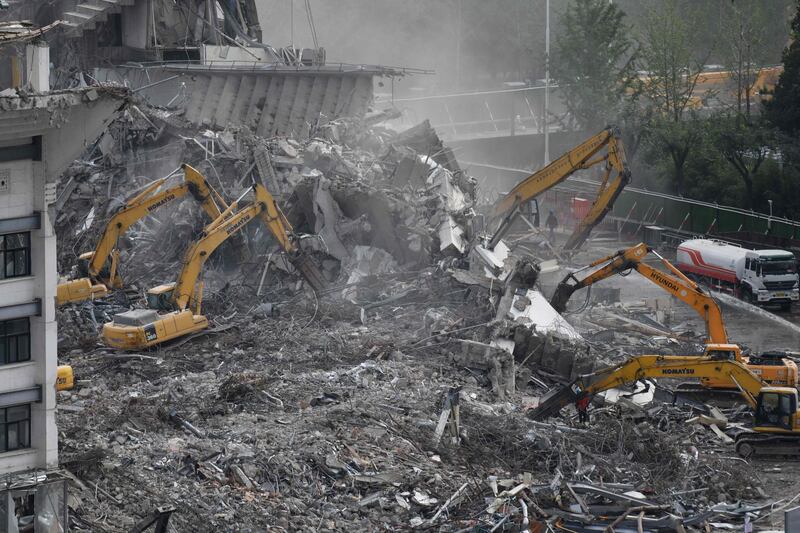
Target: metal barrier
[[636, 208]]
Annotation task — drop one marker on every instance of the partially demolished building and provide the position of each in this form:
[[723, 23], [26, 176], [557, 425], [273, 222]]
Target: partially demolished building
[[36, 146], [395, 397], [205, 59]]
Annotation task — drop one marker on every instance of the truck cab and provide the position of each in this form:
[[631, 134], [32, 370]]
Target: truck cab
[[770, 277]]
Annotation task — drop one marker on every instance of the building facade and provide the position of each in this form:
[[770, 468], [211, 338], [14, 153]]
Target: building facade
[[41, 133]]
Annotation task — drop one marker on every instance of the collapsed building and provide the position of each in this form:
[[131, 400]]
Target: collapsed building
[[381, 395], [397, 396]]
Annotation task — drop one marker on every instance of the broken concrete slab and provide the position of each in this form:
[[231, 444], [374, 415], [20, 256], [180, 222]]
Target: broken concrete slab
[[530, 308]]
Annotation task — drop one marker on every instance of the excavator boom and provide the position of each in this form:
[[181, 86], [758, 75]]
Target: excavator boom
[[776, 429], [675, 284], [617, 176], [651, 366], [147, 201], [143, 328], [775, 370]]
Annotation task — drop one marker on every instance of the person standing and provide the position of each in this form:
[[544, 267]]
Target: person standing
[[552, 224], [582, 405]]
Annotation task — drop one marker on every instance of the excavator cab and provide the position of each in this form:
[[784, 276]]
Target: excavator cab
[[160, 298], [723, 352], [776, 408], [83, 263]]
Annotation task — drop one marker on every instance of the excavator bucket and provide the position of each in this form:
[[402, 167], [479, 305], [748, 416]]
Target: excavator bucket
[[310, 271], [552, 402]]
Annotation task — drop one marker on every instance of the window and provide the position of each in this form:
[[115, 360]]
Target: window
[[779, 267], [15, 341], [15, 255], [722, 355], [15, 428]]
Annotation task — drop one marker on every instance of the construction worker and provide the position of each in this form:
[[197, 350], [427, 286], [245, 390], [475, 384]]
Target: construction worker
[[552, 224], [582, 405]]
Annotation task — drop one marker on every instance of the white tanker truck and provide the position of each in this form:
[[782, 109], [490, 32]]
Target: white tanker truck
[[756, 276]]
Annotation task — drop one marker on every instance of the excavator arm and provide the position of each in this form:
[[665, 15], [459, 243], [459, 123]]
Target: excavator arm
[[202, 248], [652, 366], [99, 279], [228, 224], [676, 283], [282, 230], [616, 177], [141, 328], [145, 203]]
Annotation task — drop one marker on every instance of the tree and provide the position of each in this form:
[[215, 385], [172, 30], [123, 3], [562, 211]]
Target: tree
[[675, 140], [593, 61], [742, 36], [745, 146], [667, 55], [783, 110]]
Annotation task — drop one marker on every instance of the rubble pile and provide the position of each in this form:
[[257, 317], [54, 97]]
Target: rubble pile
[[275, 424], [396, 398]]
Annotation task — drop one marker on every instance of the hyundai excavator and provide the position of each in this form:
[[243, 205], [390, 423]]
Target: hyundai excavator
[[772, 369], [101, 266], [616, 177], [776, 430], [142, 328]]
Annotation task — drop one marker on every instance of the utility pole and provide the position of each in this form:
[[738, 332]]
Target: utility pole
[[547, 82]]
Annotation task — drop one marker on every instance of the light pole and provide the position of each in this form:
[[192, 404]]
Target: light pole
[[546, 82]]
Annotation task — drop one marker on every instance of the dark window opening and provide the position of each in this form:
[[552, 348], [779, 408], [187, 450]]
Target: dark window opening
[[109, 33], [15, 428], [15, 341], [15, 255], [186, 54]]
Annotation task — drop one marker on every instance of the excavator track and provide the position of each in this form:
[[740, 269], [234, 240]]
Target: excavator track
[[756, 445]]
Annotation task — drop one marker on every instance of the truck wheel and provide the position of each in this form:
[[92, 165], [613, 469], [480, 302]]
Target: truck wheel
[[747, 296]]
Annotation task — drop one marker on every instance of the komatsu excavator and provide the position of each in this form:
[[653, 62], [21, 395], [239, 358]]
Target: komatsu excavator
[[617, 176], [142, 328], [100, 266], [776, 430], [772, 369]]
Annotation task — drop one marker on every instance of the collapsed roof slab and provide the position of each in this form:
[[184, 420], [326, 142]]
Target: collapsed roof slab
[[268, 99]]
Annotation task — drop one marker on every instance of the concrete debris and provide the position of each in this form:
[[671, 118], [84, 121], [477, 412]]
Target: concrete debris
[[532, 309], [394, 400]]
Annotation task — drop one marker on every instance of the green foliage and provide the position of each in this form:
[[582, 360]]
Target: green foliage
[[672, 142], [784, 108], [668, 56], [593, 61], [745, 146], [744, 47]]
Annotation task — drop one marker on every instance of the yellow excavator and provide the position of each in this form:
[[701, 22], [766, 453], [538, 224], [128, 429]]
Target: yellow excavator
[[776, 430], [772, 369], [101, 266], [616, 177], [142, 328]]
